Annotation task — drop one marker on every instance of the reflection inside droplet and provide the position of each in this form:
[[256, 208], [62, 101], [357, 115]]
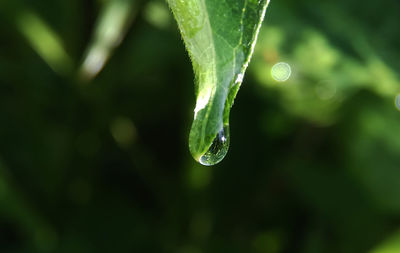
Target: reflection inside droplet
[[281, 72], [218, 148]]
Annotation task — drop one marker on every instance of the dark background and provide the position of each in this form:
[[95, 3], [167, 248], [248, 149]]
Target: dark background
[[101, 163]]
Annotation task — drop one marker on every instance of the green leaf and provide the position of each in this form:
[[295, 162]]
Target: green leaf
[[220, 36], [390, 245], [113, 21], [44, 40]]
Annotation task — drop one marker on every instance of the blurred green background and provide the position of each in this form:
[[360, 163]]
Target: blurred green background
[[96, 102]]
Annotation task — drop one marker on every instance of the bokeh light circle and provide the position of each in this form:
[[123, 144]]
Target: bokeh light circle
[[281, 72], [397, 102]]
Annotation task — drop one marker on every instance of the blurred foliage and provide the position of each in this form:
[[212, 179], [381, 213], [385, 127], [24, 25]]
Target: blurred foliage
[[101, 164]]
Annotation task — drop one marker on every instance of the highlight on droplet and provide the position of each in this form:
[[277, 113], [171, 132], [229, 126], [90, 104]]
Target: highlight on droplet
[[397, 102], [281, 72]]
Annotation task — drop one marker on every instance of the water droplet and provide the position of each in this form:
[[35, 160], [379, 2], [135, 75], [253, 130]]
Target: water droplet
[[218, 148], [281, 72], [239, 78]]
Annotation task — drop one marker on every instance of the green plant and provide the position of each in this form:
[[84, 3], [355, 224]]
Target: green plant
[[220, 37]]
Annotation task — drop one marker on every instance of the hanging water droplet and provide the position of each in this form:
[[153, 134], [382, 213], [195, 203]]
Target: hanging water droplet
[[218, 148]]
